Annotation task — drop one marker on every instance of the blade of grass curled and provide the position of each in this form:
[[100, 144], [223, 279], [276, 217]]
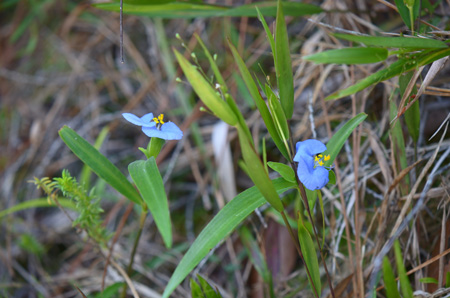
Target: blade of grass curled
[[99, 164], [220, 227]]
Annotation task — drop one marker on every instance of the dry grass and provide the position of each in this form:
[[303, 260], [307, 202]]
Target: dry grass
[[74, 77]]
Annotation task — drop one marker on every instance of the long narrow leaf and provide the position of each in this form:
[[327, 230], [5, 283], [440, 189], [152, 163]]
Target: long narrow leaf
[[175, 10], [283, 64], [259, 101], [405, 284], [310, 255], [268, 33], [395, 69], [206, 93], [257, 172], [394, 42], [99, 164], [148, 180], [219, 227], [349, 56], [37, 203], [389, 280], [336, 142]]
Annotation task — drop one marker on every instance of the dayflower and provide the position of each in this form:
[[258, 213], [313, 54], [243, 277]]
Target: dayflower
[[155, 126], [310, 170]]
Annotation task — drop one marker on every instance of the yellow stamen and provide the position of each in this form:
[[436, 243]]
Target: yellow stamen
[[326, 158], [159, 120], [320, 163]]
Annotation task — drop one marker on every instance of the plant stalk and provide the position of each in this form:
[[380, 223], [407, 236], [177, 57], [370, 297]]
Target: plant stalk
[[133, 252]]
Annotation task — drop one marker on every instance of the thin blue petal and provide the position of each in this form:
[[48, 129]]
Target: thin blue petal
[[145, 120], [168, 131]]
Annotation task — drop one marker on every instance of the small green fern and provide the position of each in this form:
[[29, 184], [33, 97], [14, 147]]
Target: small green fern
[[87, 205]]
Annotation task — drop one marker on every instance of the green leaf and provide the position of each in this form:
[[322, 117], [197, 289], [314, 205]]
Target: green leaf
[[310, 255], [284, 170], [148, 180], [338, 139], [219, 227], [331, 177], [30, 244], [37, 203], [208, 290], [412, 119], [394, 42], [405, 284], [270, 9], [257, 172], [111, 291], [260, 104], [412, 115], [447, 279], [429, 280], [196, 291], [409, 11], [185, 10], [389, 280], [206, 93], [398, 146], [283, 64], [86, 172], [99, 164], [395, 69], [278, 116], [268, 33], [349, 56]]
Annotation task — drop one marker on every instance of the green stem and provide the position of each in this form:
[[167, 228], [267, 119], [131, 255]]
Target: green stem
[[308, 210], [133, 252], [299, 250]]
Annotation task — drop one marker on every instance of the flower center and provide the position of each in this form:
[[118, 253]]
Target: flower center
[[319, 158], [159, 121]]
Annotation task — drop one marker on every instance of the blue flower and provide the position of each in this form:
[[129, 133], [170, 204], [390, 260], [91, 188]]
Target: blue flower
[[155, 127], [310, 170]]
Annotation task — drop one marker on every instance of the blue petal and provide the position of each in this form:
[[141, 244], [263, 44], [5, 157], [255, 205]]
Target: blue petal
[[168, 131], [309, 147], [145, 120], [312, 180]]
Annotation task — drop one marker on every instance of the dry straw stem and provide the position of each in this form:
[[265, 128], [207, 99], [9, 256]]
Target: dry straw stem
[[376, 264], [422, 175]]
